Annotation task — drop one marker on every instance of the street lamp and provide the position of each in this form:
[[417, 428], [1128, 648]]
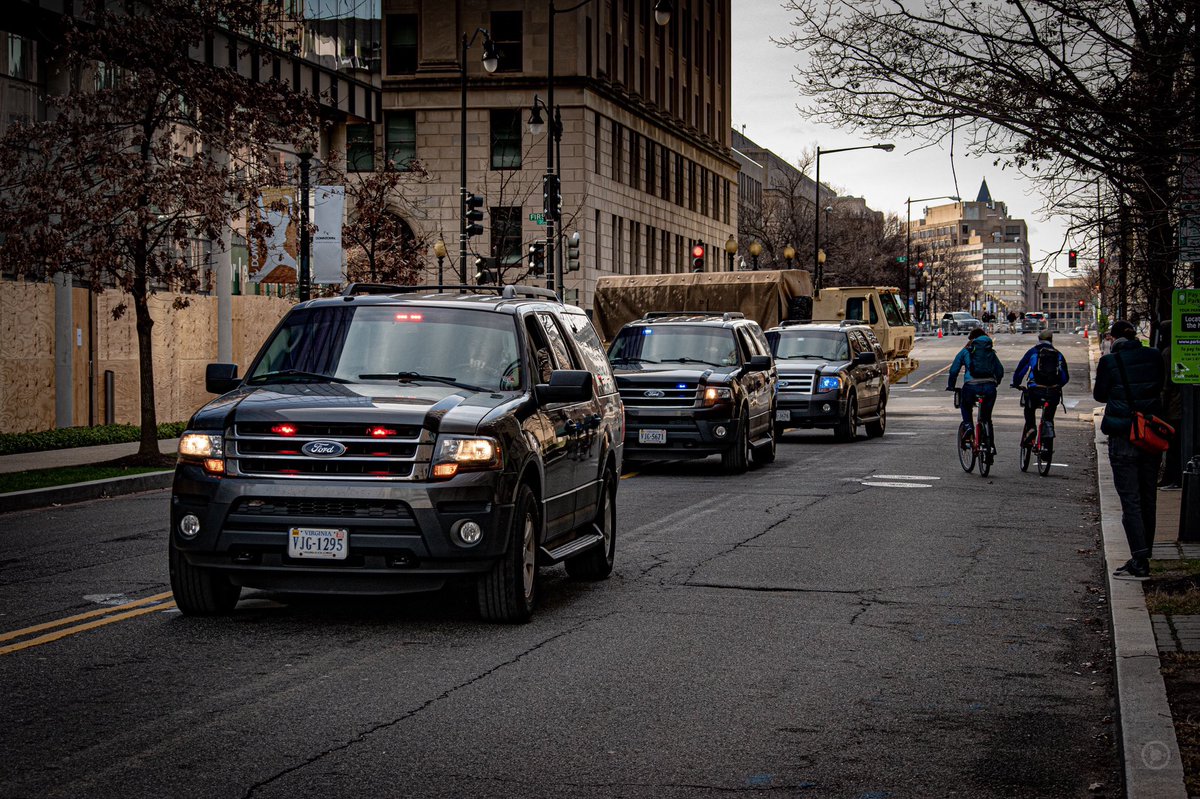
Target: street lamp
[[491, 60], [789, 253], [304, 279], [755, 251], [817, 260], [731, 249], [908, 238], [662, 15], [439, 249]]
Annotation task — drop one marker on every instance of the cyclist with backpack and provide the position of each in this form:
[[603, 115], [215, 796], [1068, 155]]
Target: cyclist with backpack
[[1046, 370], [983, 373]]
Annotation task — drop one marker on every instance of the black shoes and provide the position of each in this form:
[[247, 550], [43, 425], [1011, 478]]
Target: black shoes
[[1134, 569]]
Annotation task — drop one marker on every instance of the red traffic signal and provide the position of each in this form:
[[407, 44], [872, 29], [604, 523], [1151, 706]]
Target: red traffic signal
[[1071, 256], [1082, 304], [920, 265], [698, 251], [698, 258]]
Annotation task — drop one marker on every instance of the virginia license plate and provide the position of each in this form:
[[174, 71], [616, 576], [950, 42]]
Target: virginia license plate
[[319, 543], [783, 416], [652, 436]]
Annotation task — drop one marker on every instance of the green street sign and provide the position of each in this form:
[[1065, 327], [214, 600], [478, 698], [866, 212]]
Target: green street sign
[[1185, 336], [901, 259], [539, 218]]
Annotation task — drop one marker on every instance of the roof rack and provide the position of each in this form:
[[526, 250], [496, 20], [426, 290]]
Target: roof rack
[[506, 292], [794, 322], [725, 315]]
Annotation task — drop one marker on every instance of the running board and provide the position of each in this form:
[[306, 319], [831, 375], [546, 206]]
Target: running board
[[580, 544]]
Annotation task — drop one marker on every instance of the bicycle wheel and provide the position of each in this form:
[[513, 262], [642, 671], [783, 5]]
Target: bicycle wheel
[[1044, 458], [966, 451], [1026, 454], [985, 451]]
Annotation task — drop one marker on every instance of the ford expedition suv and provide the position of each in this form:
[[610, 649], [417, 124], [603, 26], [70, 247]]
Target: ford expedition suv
[[696, 384], [392, 439]]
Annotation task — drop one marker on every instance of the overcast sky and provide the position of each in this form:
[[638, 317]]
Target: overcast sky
[[765, 100]]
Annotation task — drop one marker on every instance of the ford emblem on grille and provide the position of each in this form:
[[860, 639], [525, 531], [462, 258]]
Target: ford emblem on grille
[[654, 392], [323, 449], [783, 384]]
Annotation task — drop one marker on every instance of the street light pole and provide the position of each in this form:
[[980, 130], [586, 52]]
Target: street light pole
[[304, 289], [491, 61], [817, 261]]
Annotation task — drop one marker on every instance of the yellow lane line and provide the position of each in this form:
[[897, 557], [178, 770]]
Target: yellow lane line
[[627, 475], [54, 636], [91, 614], [941, 371]]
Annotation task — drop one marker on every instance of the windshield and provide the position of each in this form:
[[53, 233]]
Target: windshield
[[818, 345], [892, 310], [675, 344], [474, 348]]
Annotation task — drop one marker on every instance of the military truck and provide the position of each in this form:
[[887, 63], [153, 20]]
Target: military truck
[[769, 297]]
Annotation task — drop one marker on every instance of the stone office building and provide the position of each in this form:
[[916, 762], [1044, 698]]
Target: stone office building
[[646, 166]]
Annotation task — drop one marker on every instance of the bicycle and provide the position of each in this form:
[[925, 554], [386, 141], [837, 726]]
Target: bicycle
[[1040, 444], [975, 446]]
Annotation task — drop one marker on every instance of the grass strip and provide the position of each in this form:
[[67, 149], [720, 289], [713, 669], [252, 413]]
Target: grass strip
[[66, 475]]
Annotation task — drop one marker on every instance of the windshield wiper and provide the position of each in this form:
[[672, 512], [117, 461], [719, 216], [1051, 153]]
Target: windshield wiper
[[801, 355], [409, 377], [689, 360], [633, 359], [299, 374]]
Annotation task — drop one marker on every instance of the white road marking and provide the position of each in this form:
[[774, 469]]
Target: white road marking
[[901, 434], [896, 485], [903, 477]]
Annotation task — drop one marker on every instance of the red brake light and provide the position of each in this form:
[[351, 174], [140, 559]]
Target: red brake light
[[284, 430], [409, 317]]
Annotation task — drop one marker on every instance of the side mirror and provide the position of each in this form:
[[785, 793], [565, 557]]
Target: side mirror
[[759, 363], [566, 385], [865, 358], [221, 377]]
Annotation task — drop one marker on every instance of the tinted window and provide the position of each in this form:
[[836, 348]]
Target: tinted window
[[588, 344], [824, 345], [675, 344], [562, 353]]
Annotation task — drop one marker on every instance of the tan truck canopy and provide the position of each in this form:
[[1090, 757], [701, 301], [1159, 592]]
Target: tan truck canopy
[[762, 296]]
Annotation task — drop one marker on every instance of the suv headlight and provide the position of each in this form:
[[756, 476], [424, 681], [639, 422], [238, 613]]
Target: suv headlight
[[831, 383], [455, 454], [713, 395], [207, 449]]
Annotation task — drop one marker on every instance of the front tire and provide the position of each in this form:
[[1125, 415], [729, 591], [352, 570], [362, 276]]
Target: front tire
[[736, 459], [966, 451], [878, 427], [200, 592], [597, 562], [507, 592], [765, 453], [846, 428]]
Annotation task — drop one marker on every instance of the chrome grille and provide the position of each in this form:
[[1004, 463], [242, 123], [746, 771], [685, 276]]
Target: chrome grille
[[257, 449], [661, 394], [796, 384]]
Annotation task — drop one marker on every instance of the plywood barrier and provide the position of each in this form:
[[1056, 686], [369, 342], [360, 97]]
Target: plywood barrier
[[184, 341]]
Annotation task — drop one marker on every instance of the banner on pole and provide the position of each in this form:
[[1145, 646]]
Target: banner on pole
[[328, 262], [274, 257]]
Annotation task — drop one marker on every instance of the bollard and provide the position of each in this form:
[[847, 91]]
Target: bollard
[[1189, 502]]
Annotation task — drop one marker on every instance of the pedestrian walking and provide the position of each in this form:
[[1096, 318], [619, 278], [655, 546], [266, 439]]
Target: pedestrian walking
[[1129, 379], [1172, 404]]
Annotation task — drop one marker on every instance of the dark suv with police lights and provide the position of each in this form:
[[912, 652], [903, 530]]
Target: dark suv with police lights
[[831, 376], [393, 439], [696, 384]]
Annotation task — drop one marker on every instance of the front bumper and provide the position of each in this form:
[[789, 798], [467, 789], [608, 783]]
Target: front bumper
[[399, 534], [689, 432], [810, 410]]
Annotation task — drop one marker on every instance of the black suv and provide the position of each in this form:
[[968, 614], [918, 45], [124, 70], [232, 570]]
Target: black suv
[[830, 376], [391, 439], [696, 384]]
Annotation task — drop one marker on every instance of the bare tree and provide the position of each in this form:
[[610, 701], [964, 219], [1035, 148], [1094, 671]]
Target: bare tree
[[952, 284], [156, 150], [1064, 90]]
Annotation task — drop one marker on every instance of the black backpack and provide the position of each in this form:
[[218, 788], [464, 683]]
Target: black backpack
[[1045, 367]]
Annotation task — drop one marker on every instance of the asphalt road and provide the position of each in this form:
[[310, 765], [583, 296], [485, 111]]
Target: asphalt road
[[795, 631]]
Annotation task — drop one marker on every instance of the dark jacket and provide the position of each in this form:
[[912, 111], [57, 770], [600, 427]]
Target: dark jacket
[[1144, 369], [1030, 358]]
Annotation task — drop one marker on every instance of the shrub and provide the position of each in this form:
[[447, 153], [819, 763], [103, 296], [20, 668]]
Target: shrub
[[68, 437]]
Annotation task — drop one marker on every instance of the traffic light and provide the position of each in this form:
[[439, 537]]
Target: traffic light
[[698, 258], [473, 213], [551, 197], [537, 257], [483, 271], [1082, 303], [573, 252], [920, 266], [1071, 256]]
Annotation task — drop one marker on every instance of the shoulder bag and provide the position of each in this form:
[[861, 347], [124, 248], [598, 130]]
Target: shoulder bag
[[1148, 432]]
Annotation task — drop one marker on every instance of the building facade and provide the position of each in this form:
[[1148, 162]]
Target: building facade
[[646, 168], [1059, 298]]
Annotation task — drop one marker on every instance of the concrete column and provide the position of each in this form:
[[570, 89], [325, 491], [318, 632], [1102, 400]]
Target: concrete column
[[64, 352]]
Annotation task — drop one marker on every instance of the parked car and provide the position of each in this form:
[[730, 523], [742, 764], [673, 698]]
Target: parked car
[[694, 385], [831, 377], [391, 439], [959, 322]]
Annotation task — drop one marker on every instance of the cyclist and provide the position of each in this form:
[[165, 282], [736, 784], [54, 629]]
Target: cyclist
[[1046, 370], [984, 373]]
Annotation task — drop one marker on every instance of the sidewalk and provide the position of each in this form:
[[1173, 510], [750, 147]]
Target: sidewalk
[[79, 456], [79, 492]]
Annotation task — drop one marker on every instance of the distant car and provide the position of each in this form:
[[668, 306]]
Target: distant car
[[959, 323], [1034, 322]]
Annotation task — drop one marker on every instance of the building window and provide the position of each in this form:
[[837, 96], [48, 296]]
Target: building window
[[678, 179], [727, 185], [618, 145], [703, 191], [506, 138], [666, 174], [360, 148], [635, 160], [20, 57], [506, 235], [651, 166], [402, 44], [691, 189], [401, 138], [716, 197], [506, 33]]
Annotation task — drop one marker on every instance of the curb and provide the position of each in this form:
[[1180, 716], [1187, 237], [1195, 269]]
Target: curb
[[81, 492], [1153, 767]]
